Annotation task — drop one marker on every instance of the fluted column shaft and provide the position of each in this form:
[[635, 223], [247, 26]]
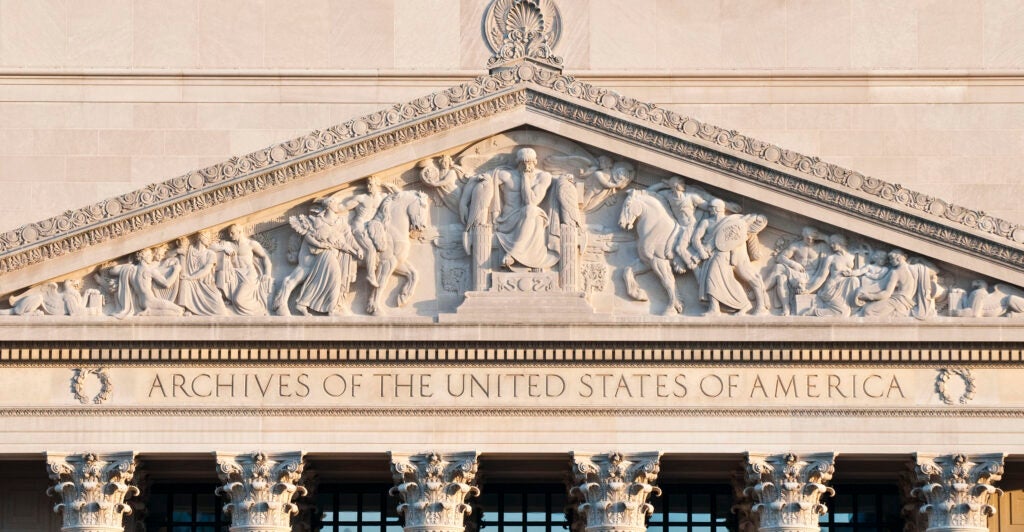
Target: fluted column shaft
[[259, 488], [956, 488], [433, 488], [786, 489], [92, 488], [611, 489]]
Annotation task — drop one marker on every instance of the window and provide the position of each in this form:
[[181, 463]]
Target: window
[[356, 508], [185, 508], [692, 508], [522, 508], [863, 508]]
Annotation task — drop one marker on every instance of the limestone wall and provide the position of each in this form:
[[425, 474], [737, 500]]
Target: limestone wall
[[98, 98]]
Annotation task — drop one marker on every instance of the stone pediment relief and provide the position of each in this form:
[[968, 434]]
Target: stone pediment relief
[[522, 225]]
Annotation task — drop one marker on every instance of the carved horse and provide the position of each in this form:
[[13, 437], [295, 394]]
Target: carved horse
[[656, 232], [398, 215]]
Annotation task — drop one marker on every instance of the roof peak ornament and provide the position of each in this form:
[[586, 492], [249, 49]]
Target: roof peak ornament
[[520, 31]]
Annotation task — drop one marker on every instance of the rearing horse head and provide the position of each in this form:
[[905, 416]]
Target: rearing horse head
[[631, 210], [418, 211]]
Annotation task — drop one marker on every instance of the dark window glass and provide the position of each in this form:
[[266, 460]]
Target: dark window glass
[[185, 508], [692, 508], [355, 508], [862, 508], [521, 508]]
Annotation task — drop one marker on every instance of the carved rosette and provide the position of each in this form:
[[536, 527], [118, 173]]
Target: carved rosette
[[956, 488], [612, 489], [259, 488], [92, 488], [433, 488], [787, 489]]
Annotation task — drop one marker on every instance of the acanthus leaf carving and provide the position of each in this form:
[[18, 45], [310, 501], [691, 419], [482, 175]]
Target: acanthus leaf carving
[[956, 488], [92, 488], [260, 488], [433, 488], [612, 489], [786, 489]]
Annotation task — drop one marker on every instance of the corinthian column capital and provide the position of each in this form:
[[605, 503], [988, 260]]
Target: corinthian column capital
[[612, 489], [433, 488], [259, 488], [92, 488], [787, 488], [956, 488]]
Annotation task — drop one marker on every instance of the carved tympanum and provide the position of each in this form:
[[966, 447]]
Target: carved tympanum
[[92, 489], [259, 488], [787, 489], [527, 220], [433, 488], [612, 489], [956, 489]]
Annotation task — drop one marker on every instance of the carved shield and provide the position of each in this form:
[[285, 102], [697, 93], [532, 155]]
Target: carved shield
[[730, 234]]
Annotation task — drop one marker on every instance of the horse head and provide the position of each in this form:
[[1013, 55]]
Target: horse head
[[418, 211], [631, 210]]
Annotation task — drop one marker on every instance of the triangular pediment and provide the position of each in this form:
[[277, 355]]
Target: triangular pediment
[[616, 150]]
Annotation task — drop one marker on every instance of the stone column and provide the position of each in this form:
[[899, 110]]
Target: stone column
[[956, 488], [913, 519], [612, 489], [433, 488], [787, 488], [92, 488], [259, 488]]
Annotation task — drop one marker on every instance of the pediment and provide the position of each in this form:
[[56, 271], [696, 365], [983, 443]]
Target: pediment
[[797, 236]]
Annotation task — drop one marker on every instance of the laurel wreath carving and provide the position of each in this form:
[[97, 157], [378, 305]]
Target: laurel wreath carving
[[970, 385], [78, 383]]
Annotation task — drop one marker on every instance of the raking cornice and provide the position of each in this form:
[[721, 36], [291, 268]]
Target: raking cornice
[[538, 89]]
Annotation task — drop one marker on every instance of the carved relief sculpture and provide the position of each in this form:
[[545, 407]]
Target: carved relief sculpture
[[612, 489], [259, 488], [51, 300], [526, 226], [246, 283], [956, 489], [657, 234], [518, 29], [389, 231], [197, 288], [324, 268], [834, 284], [727, 244], [92, 489], [787, 489], [908, 290], [136, 294], [433, 488]]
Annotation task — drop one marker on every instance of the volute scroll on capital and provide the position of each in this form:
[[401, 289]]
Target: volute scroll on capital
[[611, 490], [92, 488], [433, 488], [260, 488], [955, 489]]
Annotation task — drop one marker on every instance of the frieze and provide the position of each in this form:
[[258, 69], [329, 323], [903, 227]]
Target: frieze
[[486, 96], [364, 388]]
